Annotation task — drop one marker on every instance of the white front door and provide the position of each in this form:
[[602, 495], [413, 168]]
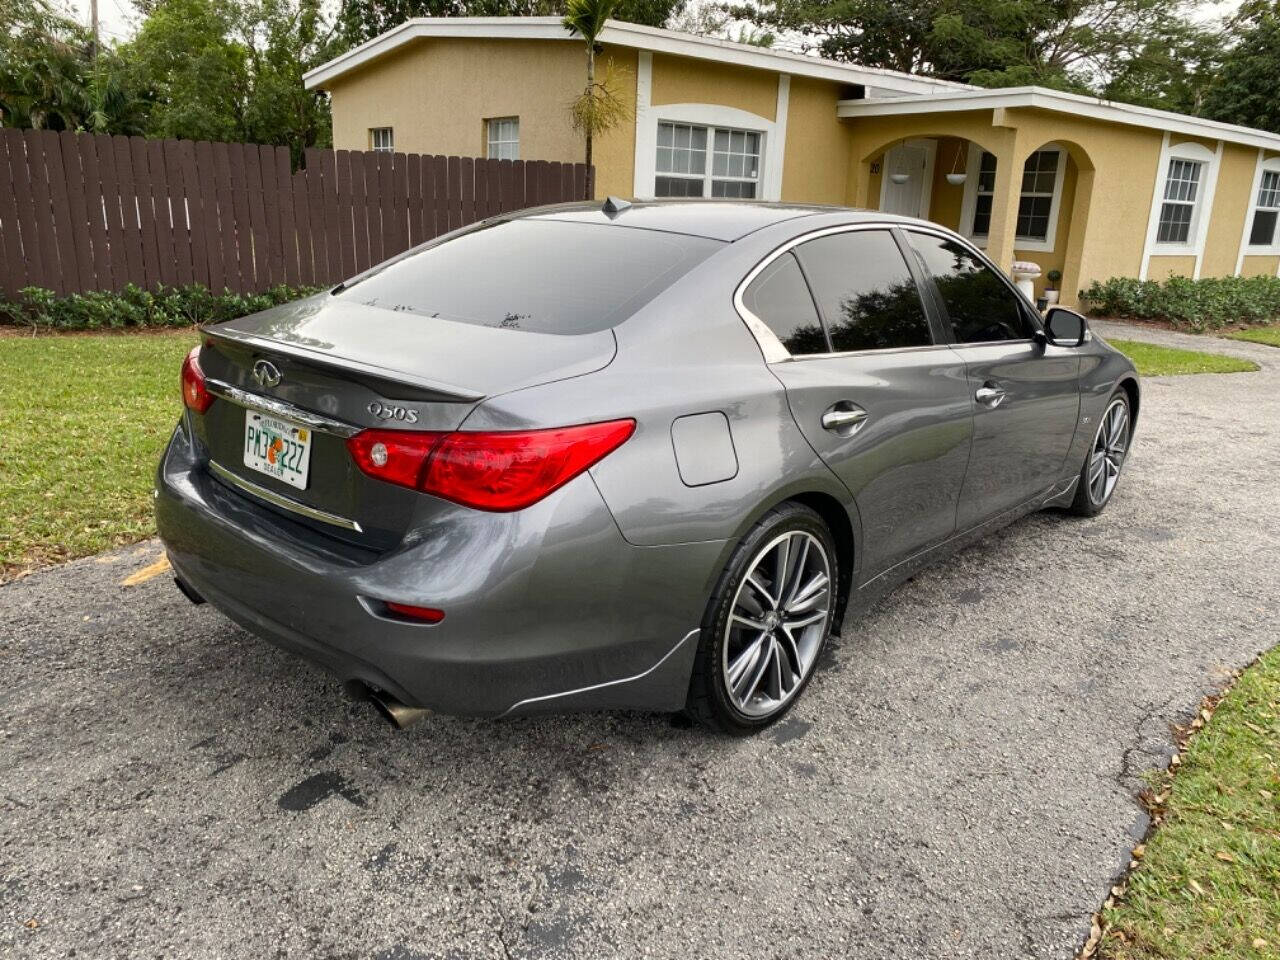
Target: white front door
[[912, 163]]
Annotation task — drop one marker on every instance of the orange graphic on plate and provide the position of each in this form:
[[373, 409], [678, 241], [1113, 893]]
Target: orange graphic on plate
[[272, 451]]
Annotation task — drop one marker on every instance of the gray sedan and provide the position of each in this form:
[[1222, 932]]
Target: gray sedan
[[624, 456]]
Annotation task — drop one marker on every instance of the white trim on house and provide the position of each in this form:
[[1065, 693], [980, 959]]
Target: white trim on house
[[969, 203], [948, 101], [1202, 212], [708, 115], [1241, 252], [1153, 213], [617, 33], [774, 132], [1264, 165]]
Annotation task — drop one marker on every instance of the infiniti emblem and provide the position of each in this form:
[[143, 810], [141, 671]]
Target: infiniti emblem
[[266, 373]]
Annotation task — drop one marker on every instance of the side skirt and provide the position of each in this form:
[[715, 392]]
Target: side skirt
[[883, 583]]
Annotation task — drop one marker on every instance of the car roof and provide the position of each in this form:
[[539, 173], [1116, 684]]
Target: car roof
[[726, 220]]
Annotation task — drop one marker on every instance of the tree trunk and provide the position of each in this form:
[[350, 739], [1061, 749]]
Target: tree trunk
[[591, 89]]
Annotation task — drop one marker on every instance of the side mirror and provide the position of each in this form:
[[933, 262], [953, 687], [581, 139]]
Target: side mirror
[[1064, 327]]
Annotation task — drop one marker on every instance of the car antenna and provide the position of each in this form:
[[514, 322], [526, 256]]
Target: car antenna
[[614, 206]]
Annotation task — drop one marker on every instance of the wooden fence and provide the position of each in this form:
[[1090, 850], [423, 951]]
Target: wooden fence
[[83, 212]]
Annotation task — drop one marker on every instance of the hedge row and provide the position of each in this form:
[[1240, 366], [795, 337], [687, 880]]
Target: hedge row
[[136, 307], [1197, 305]]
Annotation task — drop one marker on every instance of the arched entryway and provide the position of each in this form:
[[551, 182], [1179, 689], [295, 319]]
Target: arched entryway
[[1017, 198]]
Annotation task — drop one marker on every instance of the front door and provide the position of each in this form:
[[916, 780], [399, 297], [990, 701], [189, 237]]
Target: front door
[[1025, 396], [910, 162], [876, 396]]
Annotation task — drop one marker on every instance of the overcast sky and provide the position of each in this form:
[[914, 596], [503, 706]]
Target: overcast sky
[[118, 19]]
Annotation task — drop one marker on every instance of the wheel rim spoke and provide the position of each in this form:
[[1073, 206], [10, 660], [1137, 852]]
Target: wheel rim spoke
[[1109, 448], [745, 660], [807, 595], [778, 621]]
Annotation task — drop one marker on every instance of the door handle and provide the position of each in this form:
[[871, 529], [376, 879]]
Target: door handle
[[844, 418], [990, 394]]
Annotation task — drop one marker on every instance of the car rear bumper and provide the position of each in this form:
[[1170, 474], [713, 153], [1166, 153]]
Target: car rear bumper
[[546, 609]]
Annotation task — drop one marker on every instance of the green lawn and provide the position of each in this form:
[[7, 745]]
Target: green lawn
[[1208, 884], [1156, 361], [1269, 335], [82, 423]]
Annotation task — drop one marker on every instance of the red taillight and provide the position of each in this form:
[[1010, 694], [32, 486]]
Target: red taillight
[[195, 394], [425, 614], [489, 471]]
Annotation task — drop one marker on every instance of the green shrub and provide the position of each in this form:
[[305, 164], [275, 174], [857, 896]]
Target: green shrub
[[135, 307], [1198, 305]]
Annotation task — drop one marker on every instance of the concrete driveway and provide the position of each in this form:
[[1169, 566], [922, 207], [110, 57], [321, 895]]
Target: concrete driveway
[[959, 781]]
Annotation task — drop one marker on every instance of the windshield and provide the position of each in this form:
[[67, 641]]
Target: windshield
[[542, 276]]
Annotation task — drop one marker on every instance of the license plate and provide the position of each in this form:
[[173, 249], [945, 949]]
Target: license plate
[[277, 448]]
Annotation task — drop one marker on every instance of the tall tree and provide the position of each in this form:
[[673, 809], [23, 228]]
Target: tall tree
[[363, 20], [598, 108], [1071, 44], [1244, 89], [188, 55], [286, 38], [48, 77]]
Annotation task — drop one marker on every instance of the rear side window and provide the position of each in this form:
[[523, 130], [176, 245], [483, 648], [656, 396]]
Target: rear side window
[[865, 292], [980, 305], [780, 297], [543, 276]]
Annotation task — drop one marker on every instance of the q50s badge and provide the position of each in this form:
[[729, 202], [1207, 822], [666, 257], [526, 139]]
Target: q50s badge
[[389, 411]]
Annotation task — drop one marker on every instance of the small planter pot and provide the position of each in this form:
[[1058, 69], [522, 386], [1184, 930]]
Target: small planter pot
[[1051, 297]]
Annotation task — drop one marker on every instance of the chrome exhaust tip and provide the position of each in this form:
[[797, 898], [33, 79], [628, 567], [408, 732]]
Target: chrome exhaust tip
[[399, 715]]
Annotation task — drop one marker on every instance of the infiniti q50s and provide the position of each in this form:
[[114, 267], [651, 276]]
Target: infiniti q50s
[[641, 455]]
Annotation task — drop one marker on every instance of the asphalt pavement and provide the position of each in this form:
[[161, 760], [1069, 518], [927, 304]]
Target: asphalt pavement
[[958, 781]]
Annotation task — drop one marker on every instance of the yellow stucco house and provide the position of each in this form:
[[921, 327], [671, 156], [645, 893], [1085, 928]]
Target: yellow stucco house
[[1089, 187]]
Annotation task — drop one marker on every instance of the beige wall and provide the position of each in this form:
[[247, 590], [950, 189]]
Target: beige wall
[[429, 94], [685, 80], [1231, 201], [946, 199], [1162, 267], [1257, 266], [816, 161]]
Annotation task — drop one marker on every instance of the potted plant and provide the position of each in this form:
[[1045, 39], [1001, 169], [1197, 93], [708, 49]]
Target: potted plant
[[1054, 277]]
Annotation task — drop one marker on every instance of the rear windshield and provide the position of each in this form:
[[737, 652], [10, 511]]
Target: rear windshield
[[543, 276]]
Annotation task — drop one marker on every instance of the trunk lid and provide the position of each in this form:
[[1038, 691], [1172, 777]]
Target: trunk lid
[[345, 366]]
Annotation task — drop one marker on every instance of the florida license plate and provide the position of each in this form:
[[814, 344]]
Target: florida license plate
[[277, 448]]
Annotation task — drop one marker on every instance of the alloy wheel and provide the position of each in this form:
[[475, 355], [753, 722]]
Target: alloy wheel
[[1109, 448], [780, 615]]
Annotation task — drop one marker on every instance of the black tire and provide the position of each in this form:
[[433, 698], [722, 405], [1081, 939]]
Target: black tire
[[1087, 503], [710, 701]]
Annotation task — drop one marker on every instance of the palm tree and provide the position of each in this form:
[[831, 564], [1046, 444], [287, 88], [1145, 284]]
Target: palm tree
[[598, 108]]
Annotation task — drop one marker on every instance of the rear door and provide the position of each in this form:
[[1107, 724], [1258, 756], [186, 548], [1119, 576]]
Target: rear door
[[1025, 394], [880, 400]]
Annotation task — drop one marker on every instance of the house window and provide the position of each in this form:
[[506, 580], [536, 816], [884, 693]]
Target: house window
[[986, 191], [1266, 210], [1181, 193], [1039, 184], [381, 140], [1037, 202], [685, 166], [504, 138]]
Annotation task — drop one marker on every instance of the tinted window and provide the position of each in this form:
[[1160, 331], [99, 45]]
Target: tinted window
[[865, 291], [545, 276], [780, 297], [980, 304]]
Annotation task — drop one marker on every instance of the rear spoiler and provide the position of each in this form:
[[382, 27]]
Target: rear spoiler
[[382, 379]]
